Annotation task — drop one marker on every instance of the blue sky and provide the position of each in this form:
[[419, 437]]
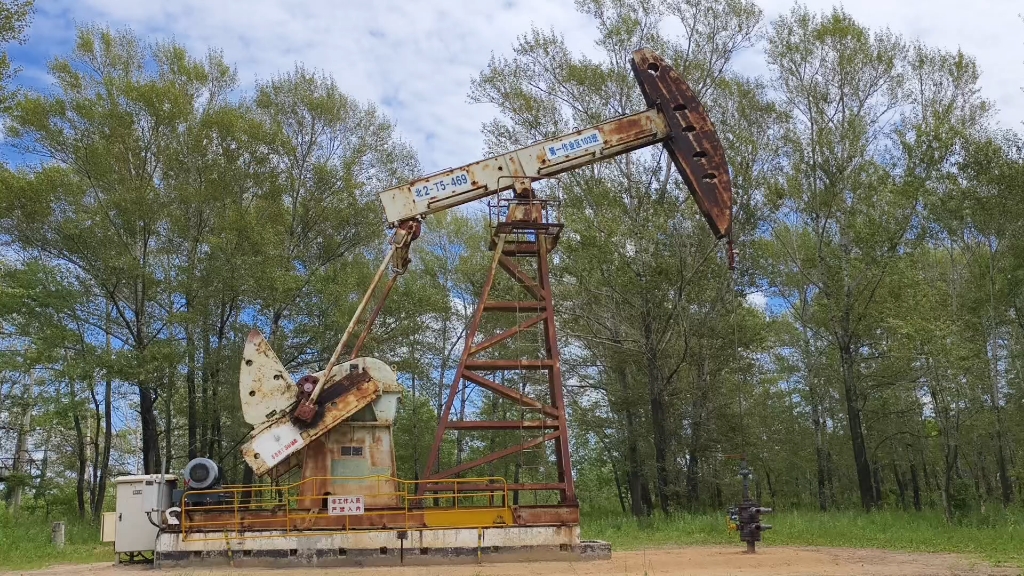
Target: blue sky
[[416, 59]]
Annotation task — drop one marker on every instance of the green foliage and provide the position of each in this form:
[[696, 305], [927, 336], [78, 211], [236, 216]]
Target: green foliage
[[25, 540], [15, 17], [994, 538], [414, 435]]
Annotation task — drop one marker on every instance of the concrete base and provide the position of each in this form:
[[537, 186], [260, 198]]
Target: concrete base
[[392, 548]]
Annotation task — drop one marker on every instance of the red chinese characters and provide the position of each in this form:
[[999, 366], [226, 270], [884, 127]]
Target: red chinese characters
[[284, 450]]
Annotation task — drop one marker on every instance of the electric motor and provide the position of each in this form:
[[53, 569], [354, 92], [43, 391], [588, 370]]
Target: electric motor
[[201, 474]]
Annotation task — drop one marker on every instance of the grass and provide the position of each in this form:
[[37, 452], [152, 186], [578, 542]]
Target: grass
[[25, 542], [997, 539]]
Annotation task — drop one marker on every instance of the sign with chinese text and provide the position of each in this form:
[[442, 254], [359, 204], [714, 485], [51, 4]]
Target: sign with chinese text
[[276, 444], [344, 505]]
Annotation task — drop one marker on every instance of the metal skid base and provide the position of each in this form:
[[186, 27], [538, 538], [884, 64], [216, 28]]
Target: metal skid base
[[133, 558], [378, 548]]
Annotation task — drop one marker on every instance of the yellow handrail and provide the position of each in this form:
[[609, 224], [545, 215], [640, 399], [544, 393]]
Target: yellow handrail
[[263, 503]]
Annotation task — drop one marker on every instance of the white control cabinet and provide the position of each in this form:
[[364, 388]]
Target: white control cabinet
[[139, 499]]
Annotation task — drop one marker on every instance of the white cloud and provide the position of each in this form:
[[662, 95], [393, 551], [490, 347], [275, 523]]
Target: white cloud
[[989, 30], [757, 300], [416, 59]]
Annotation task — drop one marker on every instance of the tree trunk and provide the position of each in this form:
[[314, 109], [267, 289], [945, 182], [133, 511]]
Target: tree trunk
[[81, 452], [22, 459], [618, 487], [104, 465], [215, 444], [992, 349], [853, 412], [275, 329], [166, 464], [635, 480], [659, 417], [83, 460], [949, 425], [205, 378], [104, 460], [190, 384], [696, 437], [462, 416], [814, 399], [95, 448], [248, 477], [928, 484], [1005, 482], [830, 476], [150, 434], [876, 476], [915, 486], [901, 485], [947, 485], [645, 496], [44, 470], [819, 452], [986, 481], [658, 421], [215, 448], [442, 377], [692, 479], [415, 433], [612, 460], [516, 479]]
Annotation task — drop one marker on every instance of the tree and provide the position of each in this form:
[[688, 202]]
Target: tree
[[330, 154], [15, 17], [102, 133], [843, 84]]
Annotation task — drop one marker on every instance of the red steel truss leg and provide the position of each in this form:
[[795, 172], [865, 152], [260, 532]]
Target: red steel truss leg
[[527, 218]]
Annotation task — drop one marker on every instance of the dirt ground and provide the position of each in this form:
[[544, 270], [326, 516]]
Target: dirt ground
[[692, 561]]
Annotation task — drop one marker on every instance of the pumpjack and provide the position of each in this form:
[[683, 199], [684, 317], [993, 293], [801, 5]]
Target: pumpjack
[[333, 428]]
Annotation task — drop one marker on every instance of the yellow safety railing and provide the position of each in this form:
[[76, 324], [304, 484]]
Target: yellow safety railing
[[296, 508]]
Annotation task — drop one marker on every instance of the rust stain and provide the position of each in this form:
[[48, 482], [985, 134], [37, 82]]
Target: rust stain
[[270, 519], [315, 463], [626, 130], [379, 517], [377, 455], [341, 387], [340, 401], [264, 384], [694, 146], [547, 515]]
